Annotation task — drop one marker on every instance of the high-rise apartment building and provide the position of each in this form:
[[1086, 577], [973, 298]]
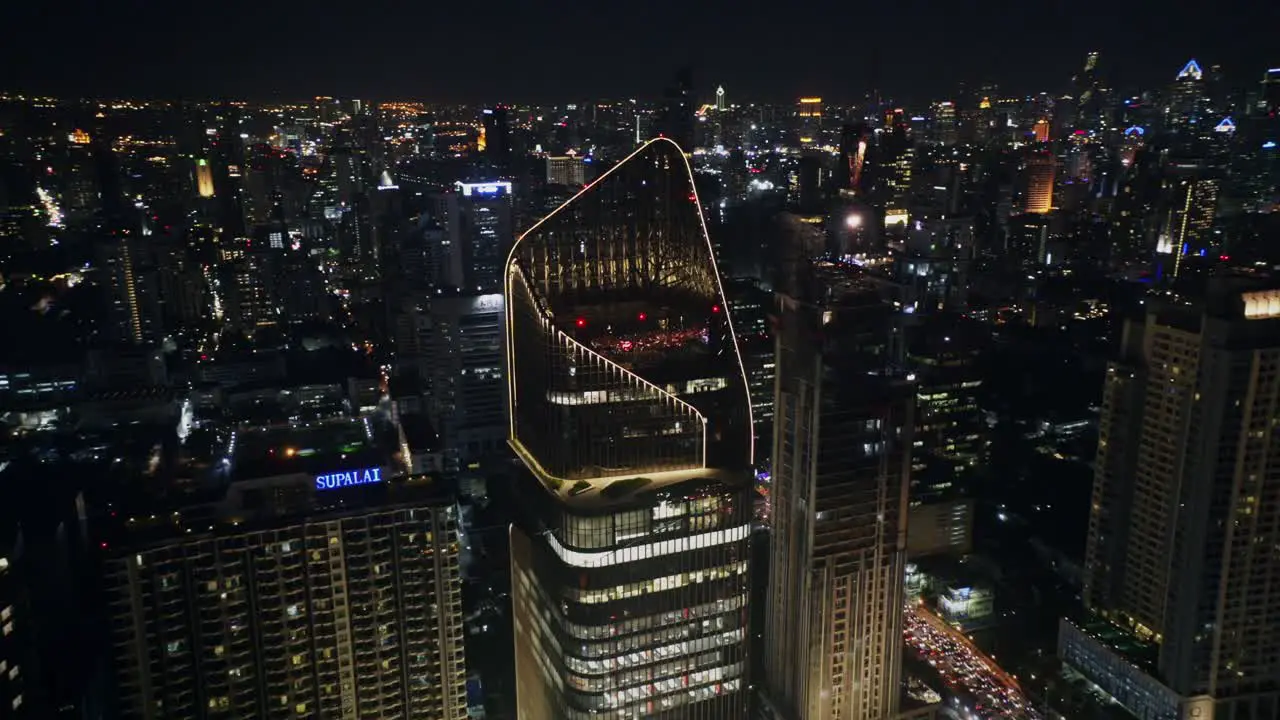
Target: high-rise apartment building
[[841, 466], [351, 610], [629, 407], [1185, 518]]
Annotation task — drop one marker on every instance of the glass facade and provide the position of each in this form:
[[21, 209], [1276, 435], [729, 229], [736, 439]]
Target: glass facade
[[629, 407]]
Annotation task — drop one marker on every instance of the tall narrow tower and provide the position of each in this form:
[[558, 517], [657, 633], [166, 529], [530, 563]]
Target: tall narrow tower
[[842, 459], [630, 410]]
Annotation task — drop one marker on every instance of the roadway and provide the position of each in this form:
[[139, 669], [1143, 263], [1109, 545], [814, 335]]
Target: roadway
[[975, 680]]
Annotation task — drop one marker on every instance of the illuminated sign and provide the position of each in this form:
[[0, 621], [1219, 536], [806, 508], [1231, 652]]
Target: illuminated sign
[[347, 478], [491, 188]]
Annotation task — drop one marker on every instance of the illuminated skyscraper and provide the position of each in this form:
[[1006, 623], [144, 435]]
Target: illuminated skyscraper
[[1039, 192], [721, 106], [809, 114], [945, 130], [629, 407], [841, 467], [1185, 519], [204, 178], [477, 218], [1191, 221], [1188, 98], [1042, 130]]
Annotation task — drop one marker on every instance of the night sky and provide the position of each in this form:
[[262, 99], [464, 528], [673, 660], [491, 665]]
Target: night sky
[[553, 50]]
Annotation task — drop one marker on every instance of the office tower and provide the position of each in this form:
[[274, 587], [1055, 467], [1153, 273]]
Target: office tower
[[1185, 518], [629, 408], [1040, 171], [675, 117], [752, 305], [477, 220], [455, 343], [721, 105], [809, 121], [945, 128], [350, 611], [567, 170], [497, 137], [1188, 98], [943, 354], [841, 466]]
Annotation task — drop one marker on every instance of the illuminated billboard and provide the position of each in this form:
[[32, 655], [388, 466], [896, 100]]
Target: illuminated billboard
[[347, 478], [489, 188]]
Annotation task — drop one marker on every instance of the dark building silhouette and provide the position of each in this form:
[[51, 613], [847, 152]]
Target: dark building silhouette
[[676, 116]]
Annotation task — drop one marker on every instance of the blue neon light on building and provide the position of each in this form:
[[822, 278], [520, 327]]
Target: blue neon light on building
[[347, 478]]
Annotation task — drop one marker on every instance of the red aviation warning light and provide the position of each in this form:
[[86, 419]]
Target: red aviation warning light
[[581, 322]]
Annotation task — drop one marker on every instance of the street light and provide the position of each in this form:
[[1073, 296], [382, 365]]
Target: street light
[[853, 221]]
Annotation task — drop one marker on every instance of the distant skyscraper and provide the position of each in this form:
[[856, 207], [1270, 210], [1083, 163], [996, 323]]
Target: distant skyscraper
[[675, 119], [841, 465], [1269, 96], [204, 178], [568, 170], [855, 146], [131, 285], [809, 117], [497, 134], [477, 218], [630, 410], [1189, 224], [1040, 175], [1043, 131], [945, 128], [1188, 98], [721, 106], [1185, 518]]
